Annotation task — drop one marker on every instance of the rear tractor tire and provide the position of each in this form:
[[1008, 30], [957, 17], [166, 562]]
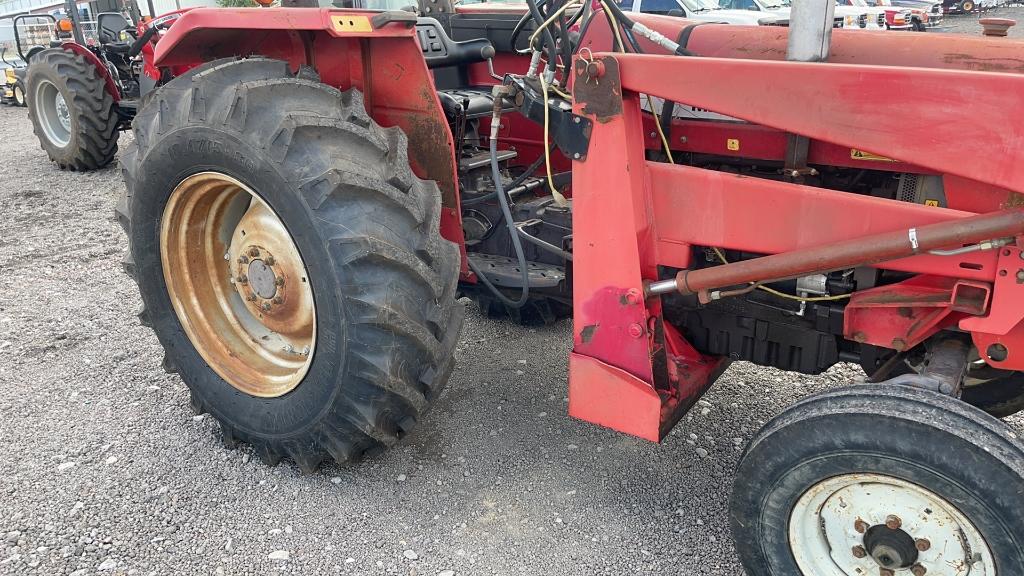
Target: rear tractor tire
[[72, 114], [289, 261], [881, 479]]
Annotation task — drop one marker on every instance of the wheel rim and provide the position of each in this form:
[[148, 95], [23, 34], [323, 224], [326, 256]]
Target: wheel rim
[[19, 96], [860, 524], [238, 284], [54, 114]]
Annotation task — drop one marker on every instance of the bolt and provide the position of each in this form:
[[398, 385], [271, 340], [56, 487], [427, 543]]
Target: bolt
[[654, 134], [885, 572], [269, 261], [227, 256], [254, 251], [278, 300], [266, 306], [251, 298], [860, 526], [682, 139], [242, 279], [918, 570], [243, 259], [922, 544], [795, 174], [576, 156], [595, 69], [636, 330], [279, 281], [633, 296], [859, 552], [305, 350], [1020, 276], [893, 522], [576, 119]]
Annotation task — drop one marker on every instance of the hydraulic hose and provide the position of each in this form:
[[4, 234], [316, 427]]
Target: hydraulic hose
[[506, 212], [548, 39]]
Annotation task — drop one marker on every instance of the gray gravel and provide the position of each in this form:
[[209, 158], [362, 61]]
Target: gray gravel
[[105, 470], [968, 23]]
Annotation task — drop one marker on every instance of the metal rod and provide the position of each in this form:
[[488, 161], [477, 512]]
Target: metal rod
[[848, 253]]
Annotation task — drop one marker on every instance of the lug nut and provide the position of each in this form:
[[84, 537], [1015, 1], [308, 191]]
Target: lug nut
[[893, 522], [278, 300], [242, 279], [922, 544], [859, 552], [860, 526], [885, 572], [918, 570], [251, 298], [266, 306], [243, 259], [269, 260], [254, 251], [279, 281]]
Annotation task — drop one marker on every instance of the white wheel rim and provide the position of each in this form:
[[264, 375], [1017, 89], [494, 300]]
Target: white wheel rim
[[835, 517], [54, 115]]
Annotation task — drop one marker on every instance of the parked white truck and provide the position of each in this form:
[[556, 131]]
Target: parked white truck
[[853, 17]]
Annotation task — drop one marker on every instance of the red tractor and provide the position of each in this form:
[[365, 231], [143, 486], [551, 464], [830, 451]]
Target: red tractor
[[311, 189], [82, 92]]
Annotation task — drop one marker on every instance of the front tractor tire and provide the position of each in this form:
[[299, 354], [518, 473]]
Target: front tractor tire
[[72, 114], [289, 261], [881, 479]]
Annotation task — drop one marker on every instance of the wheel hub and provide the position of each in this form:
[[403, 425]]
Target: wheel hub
[[63, 114], [262, 279], [873, 524], [892, 549], [238, 284]]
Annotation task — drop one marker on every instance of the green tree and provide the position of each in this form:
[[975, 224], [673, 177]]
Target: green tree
[[237, 3]]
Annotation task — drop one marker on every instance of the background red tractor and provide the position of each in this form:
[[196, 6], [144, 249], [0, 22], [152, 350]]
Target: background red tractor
[[313, 189], [81, 92]]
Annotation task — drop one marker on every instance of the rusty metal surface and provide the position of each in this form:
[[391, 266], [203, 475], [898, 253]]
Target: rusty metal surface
[[257, 333], [596, 88]]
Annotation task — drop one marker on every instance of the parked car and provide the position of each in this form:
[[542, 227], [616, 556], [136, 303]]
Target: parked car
[[895, 18], [968, 6], [854, 17], [930, 16], [704, 10]]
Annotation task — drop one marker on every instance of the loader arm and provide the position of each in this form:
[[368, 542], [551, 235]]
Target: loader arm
[[640, 215]]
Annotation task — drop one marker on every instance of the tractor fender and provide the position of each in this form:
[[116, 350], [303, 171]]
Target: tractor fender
[[370, 51], [101, 68]]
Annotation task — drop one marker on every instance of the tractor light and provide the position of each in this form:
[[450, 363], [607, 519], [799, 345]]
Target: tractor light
[[64, 25], [264, 3], [850, 20]]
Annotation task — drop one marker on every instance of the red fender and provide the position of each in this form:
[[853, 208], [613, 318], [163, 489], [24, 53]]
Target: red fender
[[100, 67]]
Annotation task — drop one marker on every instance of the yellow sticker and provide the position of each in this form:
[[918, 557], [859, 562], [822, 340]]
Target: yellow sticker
[[732, 144], [351, 23], [931, 202], [862, 155]]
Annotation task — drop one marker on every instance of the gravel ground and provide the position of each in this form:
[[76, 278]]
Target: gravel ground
[[106, 471], [968, 23]]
